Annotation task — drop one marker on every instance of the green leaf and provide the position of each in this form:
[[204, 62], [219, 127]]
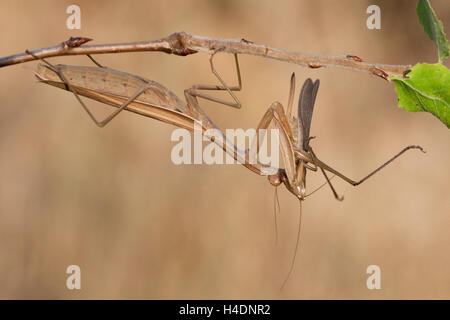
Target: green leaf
[[433, 27], [426, 88]]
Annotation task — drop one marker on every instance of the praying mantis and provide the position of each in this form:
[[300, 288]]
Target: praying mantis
[[149, 98]]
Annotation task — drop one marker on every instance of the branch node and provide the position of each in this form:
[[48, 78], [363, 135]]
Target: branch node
[[179, 44], [380, 73], [75, 42], [354, 58]]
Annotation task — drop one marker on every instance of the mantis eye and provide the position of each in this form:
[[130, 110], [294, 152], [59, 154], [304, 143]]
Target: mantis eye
[[274, 180]]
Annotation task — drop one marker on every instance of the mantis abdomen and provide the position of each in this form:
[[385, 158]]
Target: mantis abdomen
[[113, 83]]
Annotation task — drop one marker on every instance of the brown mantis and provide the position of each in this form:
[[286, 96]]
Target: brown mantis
[[148, 98]]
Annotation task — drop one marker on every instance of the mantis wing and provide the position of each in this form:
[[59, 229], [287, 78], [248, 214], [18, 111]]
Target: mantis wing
[[305, 110]]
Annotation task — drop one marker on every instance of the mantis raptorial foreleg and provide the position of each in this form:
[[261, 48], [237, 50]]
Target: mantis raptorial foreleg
[[104, 122], [296, 161], [295, 173]]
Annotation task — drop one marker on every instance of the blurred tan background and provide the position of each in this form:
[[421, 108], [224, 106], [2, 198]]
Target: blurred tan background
[[111, 201]]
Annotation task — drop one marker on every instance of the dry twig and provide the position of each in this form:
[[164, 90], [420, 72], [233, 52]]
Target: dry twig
[[181, 43]]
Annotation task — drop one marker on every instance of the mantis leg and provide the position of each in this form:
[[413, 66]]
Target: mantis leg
[[275, 110], [194, 90], [105, 121], [95, 61], [324, 166], [276, 114], [296, 174], [336, 196]]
